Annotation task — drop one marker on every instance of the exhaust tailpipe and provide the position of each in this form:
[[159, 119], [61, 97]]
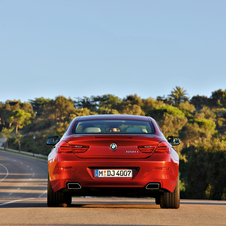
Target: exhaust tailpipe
[[74, 186], [153, 186]]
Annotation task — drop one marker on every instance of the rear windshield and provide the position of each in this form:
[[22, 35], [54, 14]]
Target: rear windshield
[[113, 127]]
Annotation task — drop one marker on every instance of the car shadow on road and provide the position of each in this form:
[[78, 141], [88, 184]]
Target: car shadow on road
[[204, 202], [82, 206], [42, 203], [116, 206]]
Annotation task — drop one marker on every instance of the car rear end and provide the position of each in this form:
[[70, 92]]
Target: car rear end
[[88, 161]]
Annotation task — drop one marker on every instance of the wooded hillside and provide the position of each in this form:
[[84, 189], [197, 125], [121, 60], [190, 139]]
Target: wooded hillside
[[200, 122]]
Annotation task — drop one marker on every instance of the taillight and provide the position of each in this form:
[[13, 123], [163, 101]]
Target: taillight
[[63, 147], [79, 148], [163, 147], [146, 149]]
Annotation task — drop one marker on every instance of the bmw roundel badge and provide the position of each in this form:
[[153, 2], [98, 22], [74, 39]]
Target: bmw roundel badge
[[113, 146]]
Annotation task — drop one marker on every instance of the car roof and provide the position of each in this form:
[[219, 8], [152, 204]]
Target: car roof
[[113, 117]]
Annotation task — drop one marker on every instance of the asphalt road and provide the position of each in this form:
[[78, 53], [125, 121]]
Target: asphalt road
[[23, 182]]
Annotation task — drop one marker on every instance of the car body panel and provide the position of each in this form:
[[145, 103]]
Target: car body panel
[[151, 167], [127, 145]]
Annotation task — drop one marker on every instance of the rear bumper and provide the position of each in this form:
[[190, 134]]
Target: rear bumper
[[160, 168]]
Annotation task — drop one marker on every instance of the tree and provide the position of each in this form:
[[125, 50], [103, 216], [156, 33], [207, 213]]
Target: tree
[[221, 112], [190, 133], [17, 138], [59, 108], [39, 104], [27, 107], [200, 101], [63, 107], [218, 98], [1, 114], [133, 99], [105, 110], [207, 113], [171, 120], [132, 110], [86, 102], [187, 108], [171, 125], [108, 101], [205, 124], [49, 111], [11, 105], [150, 103], [19, 118], [178, 95], [196, 130], [160, 111], [6, 108], [204, 169], [6, 134]]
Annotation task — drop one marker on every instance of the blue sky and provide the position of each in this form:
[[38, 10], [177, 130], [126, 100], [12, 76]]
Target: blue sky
[[96, 47]]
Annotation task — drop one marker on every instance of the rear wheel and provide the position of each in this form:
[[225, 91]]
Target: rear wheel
[[157, 200], [171, 200], [55, 199]]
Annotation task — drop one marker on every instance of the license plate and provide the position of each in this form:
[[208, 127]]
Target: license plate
[[113, 173]]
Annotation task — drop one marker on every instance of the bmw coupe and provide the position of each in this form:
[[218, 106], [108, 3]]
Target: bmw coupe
[[113, 155]]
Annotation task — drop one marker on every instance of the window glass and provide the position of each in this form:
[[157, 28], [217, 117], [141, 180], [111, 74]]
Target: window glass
[[113, 127]]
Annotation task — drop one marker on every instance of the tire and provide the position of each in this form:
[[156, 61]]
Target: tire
[[157, 200], [171, 200], [55, 199]]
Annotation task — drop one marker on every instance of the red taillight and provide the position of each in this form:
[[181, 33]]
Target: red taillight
[[64, 147], [146, 149], [65, 168], [163, 147], [79, 148]]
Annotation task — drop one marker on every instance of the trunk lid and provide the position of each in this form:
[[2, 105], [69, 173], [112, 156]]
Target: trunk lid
[[115, 146]]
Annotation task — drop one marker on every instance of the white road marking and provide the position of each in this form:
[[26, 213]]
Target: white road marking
[[19, 200], [7, 173], [42, 194]]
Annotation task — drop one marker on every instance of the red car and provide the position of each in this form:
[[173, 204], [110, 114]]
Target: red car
[[113, 155]]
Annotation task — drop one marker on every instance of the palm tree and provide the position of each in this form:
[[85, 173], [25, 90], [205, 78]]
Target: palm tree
[[178, 95]]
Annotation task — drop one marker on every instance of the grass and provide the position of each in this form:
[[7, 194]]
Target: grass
[[15, 152]]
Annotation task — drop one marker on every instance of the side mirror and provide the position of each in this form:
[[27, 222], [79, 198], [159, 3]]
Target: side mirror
[[52, 140], [173, 140]]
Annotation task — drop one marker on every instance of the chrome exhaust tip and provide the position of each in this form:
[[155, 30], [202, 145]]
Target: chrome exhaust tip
[[74, 186], [153, 186]]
